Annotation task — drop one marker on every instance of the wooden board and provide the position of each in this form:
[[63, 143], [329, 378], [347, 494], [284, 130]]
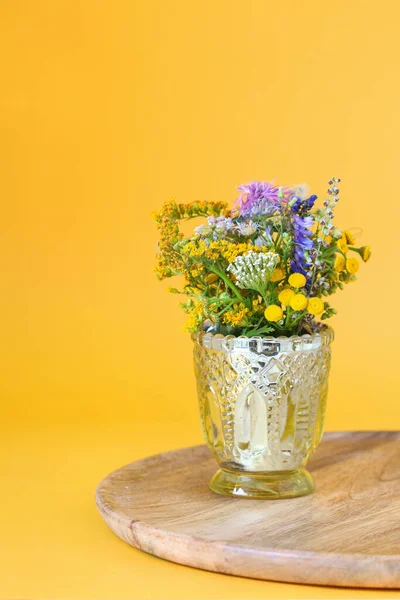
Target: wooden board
[[347, 533]]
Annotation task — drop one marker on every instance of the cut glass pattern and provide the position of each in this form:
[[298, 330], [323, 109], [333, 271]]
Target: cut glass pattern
[[262, 400]]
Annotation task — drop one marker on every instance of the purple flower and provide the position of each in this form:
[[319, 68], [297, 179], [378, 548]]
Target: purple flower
[[218, 227], [260, 198], [302, 244], [265, 237]]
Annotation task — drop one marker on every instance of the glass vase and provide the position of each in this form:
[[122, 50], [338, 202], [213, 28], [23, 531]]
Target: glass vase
[[262, 408]]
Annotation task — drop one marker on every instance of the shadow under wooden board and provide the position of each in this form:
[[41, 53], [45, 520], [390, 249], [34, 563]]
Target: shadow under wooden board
[[347, 533]]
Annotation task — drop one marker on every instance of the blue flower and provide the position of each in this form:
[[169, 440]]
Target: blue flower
[[299, 206], [302, 244]]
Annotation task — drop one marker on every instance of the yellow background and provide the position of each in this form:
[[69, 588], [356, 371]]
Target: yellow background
[[106, 110]]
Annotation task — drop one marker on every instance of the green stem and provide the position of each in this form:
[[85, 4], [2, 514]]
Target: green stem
[[255, 329], [228, 282], [298, 318], [221, 312], [314, 275], [288, 315], [358, 250]]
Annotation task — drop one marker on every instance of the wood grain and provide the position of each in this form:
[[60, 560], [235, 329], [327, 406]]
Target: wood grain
[[347, 533]]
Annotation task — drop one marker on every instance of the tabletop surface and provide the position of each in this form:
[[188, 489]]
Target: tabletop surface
[[344, 534], [54, 544]]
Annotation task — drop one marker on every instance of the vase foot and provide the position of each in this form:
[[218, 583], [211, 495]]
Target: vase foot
[[272, 486]]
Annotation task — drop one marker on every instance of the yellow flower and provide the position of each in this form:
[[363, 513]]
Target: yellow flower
[[349, 237], [315, 306], [342, 245], [277, 274], [211, 278], [273, 313], [297, 280], [365, 253], [298, 302], [339, 263], [352, 265], [285, 296], [195, 317], [257, 307], [237, 316], [195, 248]]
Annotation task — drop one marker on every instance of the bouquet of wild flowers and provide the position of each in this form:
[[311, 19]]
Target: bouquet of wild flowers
[[265, 267]]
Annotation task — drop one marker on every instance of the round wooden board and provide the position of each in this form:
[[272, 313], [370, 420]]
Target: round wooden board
[[347, 533]]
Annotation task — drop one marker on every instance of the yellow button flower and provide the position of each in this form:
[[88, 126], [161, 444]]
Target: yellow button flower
[[340, 262], [352, 265], [349, 237], [342, 245], [285, 296], [298, 302], [315, 306], [277, 274], [273, 313], [297, 280], [365, 253]]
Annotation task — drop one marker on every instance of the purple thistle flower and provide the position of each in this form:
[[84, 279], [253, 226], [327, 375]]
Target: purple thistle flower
[[302, 244], [260, 197]]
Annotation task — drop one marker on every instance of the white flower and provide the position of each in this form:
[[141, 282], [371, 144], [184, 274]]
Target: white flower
[[247, 228], [302, 191], [220, 223], [336, 234], [253, 269]]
